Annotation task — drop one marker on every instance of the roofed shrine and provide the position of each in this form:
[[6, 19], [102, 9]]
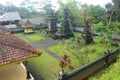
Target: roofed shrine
[[52, 22], [28, 26]]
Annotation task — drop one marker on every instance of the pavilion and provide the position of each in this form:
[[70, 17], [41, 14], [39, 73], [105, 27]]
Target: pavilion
[[12, 52], [28, 26]]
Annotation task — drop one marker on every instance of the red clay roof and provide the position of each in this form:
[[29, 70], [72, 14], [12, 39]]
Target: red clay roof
[[13, 49]]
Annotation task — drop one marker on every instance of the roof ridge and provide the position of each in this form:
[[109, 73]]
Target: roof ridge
[[21, 48]]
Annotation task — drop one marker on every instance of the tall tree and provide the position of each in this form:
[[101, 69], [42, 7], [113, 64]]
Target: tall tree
[[113, 10], [98, 14], [2, 9], [9, 7], [74, 12], [117, 8]]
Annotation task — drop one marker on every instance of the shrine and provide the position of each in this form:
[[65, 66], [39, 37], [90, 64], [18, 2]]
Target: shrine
[[28, 26], [51, 22], [65, 31], [87, 32]]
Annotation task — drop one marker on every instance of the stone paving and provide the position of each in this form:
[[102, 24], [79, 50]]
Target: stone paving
[[44, 44]]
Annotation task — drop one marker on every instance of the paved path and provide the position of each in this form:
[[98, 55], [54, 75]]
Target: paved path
[[53, 55], [43, 44]]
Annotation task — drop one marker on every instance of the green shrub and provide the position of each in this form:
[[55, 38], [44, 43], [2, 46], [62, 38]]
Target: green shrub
[[100, 27], [115, 27]]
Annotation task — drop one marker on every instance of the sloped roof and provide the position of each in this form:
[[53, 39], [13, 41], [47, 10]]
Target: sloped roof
[[28, 23], [36, 21], [13, 49], [10, 16]]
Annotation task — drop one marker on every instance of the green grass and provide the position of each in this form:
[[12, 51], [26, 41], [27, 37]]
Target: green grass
[[34, 37], [83, 55], [46, 66], [20, 35], [110, 73]]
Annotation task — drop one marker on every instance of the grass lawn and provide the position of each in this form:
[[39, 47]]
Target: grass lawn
[[46, 66], [20, 35], [34, 37]]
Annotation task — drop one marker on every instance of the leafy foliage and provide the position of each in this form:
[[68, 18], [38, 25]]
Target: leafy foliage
[[80, 55], [113, 10], [115, 27], [99, 27], [78, 12], [98, 14]]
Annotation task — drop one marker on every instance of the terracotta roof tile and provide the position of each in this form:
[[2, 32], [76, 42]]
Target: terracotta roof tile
[[14, 49]]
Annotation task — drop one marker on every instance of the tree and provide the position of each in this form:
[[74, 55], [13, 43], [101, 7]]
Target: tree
[[113, 10], [46, 7], [117, 8], [74, 13], [98, 14], [99, 27], [78, 12], [2, 9], [115, 27], [86, 11]]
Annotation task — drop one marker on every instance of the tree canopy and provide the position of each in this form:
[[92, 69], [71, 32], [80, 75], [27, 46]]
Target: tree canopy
[[77, 11]]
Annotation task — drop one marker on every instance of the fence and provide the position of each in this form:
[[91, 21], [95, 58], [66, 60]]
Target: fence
[[87, 70]]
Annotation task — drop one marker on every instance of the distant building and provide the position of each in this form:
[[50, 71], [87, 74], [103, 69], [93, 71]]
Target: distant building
[[52, 23], [36, 21], [11, 21], [12, 52], [10, 18]]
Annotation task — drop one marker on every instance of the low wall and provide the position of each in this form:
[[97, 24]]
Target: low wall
[[90, 68]]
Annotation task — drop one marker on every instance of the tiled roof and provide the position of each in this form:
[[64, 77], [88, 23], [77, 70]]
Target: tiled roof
[[35, 21], [28, 24], [13, 49]]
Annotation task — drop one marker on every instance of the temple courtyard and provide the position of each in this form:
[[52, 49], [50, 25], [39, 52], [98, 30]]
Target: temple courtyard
[[48, 64]]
